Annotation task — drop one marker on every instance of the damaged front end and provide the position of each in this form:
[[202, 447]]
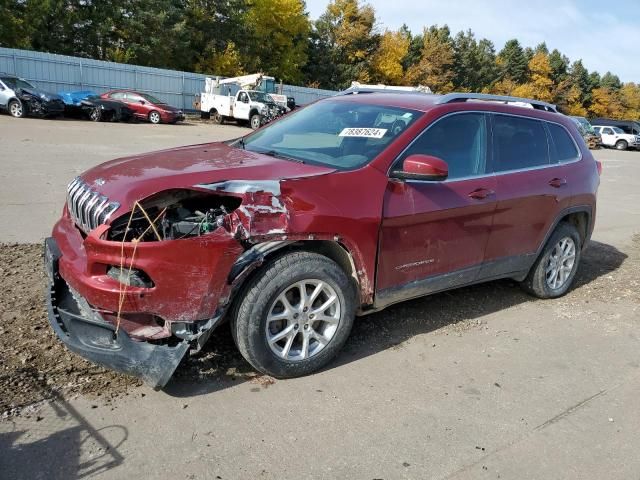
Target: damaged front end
[[137, 294], [40, 104]]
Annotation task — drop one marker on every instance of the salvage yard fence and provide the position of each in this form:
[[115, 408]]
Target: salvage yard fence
[[57, 73]]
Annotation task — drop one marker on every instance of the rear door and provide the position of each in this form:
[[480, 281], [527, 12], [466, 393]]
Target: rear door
[[533, 187], [434, 233]]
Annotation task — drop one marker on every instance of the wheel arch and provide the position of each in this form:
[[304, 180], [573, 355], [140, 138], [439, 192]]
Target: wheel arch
[[581, 217], [251, 261]]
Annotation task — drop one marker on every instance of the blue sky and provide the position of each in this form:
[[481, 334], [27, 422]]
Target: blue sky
[[606, 35]]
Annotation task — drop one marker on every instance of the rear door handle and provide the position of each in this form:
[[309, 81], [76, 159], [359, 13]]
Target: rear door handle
[[481, 193], [557, 182]]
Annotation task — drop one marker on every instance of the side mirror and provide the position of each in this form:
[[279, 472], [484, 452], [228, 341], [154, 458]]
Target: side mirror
[[423, 167], [142, 102]]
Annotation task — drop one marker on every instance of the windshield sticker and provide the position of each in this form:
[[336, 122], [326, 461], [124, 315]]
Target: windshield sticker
[[363, 132]]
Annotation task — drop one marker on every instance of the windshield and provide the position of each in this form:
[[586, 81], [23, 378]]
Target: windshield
[[584, 123], [336, 133], [151, 98], [13, 83], [259, 97]]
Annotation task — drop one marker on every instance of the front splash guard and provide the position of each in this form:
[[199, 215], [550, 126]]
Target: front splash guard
[[94, 338]]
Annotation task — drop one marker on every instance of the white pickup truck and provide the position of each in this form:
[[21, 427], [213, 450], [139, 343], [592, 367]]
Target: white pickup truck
[[617, 138], [251, 106]]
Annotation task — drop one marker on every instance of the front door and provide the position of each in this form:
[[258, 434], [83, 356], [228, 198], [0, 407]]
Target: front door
[[139, 105], [242, 106], [434, 233]]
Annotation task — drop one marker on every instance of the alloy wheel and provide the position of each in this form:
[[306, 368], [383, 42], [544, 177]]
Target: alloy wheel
[[154, 117], [560, 263], [16, 109], [302, 320]]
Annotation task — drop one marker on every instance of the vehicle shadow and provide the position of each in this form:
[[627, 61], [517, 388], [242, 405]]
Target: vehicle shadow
[[59, 444], [222, 366]]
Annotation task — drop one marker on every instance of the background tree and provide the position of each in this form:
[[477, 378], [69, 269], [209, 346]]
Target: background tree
[[435, 68], [540, 85], [513, 62], [278, 31], [386, 64]]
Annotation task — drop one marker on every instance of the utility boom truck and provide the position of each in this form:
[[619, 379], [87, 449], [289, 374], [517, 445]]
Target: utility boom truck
[[252, 100]]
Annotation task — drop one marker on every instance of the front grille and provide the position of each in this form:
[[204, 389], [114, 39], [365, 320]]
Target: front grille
[[87, 207]]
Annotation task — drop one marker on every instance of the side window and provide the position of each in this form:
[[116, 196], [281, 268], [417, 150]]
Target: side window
[[117, 96], [460, 140], [133, 98], [607, 131], [596, 129], [564, 149], [519, 143]]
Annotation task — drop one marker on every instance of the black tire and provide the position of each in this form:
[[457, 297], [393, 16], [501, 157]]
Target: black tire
[[95, 115], [154, 117], [255, 121], [256, 300], [16, 108], [215, 117], [536, 282], [621, 145]]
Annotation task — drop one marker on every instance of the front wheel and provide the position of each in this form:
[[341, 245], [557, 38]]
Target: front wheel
[[95, 115], [295, 315], [555, 269], [16, 109], [621, 145], [154, 117], [255, 121]]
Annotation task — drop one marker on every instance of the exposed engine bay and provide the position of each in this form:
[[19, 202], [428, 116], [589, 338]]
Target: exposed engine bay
[[175, 214]]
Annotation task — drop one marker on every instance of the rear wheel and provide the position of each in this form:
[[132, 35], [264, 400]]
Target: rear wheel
[[555, 269], [215, 116], [295, 315], [16, 109], [621, 145], [154, 117]]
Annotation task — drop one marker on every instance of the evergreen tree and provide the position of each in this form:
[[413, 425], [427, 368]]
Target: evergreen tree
[[512, 62]]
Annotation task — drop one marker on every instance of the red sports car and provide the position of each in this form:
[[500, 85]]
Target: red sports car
[[146, 107]]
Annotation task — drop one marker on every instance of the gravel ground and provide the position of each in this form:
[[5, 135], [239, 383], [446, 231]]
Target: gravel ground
[[36, 366]]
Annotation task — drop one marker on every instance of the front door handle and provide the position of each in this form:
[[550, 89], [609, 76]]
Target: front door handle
[[481, 193], [557, 182]]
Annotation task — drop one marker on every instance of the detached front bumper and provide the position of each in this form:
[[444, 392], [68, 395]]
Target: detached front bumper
[[86, 333]]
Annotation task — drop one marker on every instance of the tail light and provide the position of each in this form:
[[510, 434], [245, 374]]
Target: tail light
[[599, 166]]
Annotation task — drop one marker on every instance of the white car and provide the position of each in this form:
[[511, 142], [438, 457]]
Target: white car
[[616, 137]]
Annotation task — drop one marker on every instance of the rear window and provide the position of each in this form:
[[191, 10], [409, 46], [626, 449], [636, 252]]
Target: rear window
[[564, 149], [519, 143]]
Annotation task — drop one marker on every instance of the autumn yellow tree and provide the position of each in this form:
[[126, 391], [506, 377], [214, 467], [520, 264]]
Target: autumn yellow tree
[[278, 32], [386, 64], [435, 68], [539, 86], [226, 63], [605, 103], [630, 98]]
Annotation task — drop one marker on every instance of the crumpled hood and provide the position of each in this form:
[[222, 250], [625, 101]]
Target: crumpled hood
[[40, 93], [129, 179]]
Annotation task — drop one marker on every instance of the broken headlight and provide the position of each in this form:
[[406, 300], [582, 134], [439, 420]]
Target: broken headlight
[[130, 277]]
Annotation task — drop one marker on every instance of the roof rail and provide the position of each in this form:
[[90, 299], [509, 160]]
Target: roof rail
[[463, 97]]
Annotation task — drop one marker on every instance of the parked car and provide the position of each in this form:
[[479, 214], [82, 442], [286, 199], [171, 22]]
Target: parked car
[[90, 105], [20, 98], [628, 126], [616, 138], [591, 137], [146, 107], [330, 212]]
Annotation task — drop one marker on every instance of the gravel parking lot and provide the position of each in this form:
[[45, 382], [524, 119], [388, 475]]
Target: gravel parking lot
[[482, 382]]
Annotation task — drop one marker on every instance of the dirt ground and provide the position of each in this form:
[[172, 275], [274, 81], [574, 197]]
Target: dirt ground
[[36, 366]]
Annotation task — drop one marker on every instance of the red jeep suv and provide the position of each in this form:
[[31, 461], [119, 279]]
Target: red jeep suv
[[341, 209]]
